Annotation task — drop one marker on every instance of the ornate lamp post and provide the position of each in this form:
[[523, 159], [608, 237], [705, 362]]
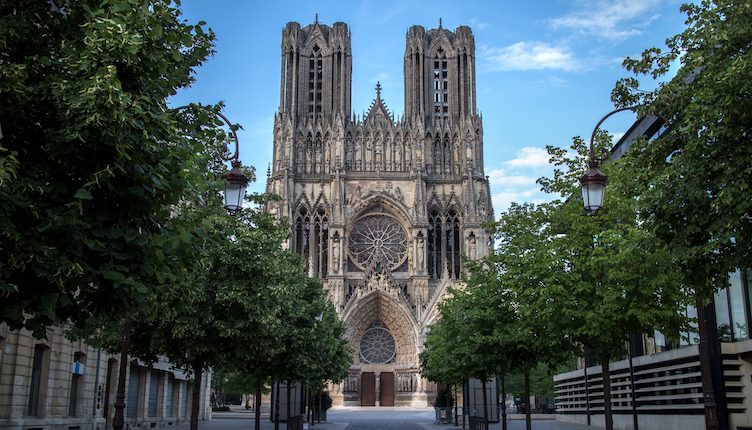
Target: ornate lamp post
[[235, 184], [235, 180], [593, 182]]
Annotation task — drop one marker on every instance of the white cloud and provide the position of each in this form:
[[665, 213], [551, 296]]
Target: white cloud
[[515, 180], [502, 201], [529, 56], [529, 156], [501, 178], [611, 19], [475, 23]]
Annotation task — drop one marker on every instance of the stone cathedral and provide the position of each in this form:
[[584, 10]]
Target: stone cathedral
[[381, 207]]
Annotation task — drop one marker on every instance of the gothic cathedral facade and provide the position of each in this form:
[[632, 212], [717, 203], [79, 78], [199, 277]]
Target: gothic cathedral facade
[[381, 208]]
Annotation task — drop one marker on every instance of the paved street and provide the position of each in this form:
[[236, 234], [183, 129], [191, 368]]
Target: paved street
[[371, 419]]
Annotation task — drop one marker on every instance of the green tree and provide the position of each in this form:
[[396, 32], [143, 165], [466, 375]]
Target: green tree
[[91, 160], [694, 182], [605, 276], [518, 268]]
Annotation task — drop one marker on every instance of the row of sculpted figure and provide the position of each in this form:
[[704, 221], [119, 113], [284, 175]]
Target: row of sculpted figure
[[321, 155]]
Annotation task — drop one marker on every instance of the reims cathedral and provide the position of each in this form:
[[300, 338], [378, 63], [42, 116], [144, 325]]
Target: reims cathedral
[[381, 207]]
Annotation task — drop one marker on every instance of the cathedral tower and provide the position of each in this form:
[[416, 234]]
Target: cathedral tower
[[381, 209]]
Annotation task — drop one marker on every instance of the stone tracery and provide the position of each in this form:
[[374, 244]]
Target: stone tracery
[[378, 238]]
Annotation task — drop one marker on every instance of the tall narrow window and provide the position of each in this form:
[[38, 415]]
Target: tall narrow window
[[134, 388], [436, 87], [76, 386], [302, 231], [38, 377], [311, 85], [169, 406], [440, 85], [434, 243], [321, 238], [153, 393], [452, 249]]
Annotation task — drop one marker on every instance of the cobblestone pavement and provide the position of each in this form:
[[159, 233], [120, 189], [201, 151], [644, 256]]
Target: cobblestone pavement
[[372, 419]]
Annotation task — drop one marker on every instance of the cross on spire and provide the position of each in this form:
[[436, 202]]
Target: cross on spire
[[440, 22], [317, 19], [378, 90]]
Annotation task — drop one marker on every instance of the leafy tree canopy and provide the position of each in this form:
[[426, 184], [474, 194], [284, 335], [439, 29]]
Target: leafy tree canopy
[[91, 160], [694, 182]]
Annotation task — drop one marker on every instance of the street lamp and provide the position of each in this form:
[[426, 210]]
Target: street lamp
[[235, 180], [235, 185], [593, 182]]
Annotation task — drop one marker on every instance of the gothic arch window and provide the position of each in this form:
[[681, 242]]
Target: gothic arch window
[[311, 240], [301, 235], [315, 79], [452, 249], [440, 85], [320, 242], [434, 243], [444, 243]]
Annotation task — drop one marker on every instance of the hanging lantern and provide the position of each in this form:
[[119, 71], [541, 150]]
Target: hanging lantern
[[235, 184], [593, 187]]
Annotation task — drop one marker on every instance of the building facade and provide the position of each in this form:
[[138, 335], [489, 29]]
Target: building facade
[[58, 384], [382, 209]]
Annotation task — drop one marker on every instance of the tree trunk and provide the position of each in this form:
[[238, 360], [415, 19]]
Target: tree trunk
[[708, 392], [318, 405], [198, 368], [287, 412], [606, 373], [485, 405], [587, 386], [503, 402], [464, 405], [528, 416], [257, 412], [456, 422], [309, 402], [276, 409]]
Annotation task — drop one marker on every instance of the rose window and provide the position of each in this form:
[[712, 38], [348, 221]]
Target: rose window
[[379, 238], [377, 345]]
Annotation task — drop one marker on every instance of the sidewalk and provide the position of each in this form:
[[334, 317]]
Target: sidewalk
[[355, 418]]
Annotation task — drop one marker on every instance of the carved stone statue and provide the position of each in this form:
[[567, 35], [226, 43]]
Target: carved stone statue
[[471, 247], [335, 252], [420, 252]]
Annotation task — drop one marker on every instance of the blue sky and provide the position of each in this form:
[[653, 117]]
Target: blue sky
[[545, 69]]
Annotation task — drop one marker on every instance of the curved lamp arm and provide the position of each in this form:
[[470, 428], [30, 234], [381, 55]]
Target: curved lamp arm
[[591, 153], [235, 180], [593, 182]]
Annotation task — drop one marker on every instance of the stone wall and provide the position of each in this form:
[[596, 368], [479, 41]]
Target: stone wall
[[56, 383]]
